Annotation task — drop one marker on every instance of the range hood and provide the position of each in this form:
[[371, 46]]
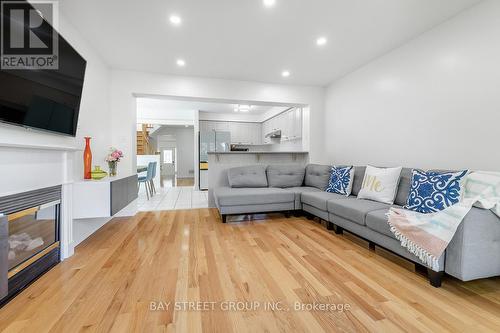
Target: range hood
[[274, 134]]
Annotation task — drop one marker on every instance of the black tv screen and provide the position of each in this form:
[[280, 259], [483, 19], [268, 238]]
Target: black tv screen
[[46, 99]]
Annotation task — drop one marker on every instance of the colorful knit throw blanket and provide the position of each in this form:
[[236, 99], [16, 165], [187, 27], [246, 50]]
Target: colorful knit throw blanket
[[428, 235]]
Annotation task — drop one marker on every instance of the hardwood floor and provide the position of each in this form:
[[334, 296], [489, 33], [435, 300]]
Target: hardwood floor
[[185, 182], [172, 181], [188, 255]]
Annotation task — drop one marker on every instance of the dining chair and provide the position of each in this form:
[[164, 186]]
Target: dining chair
[[151, 182], [147, 180]]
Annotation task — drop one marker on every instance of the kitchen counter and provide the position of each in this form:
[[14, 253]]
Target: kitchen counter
[[256, 152]]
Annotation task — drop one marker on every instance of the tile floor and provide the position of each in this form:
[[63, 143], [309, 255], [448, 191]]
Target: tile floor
[[168, 198]]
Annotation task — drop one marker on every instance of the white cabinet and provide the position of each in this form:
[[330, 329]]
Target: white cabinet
[[247, 133], [297, 131], [222, 126], [239, 133], [266, 128], [286, 121], [255, 133], [294, 124], [243, 133], [207, 125], [210, 125], [289, 122]]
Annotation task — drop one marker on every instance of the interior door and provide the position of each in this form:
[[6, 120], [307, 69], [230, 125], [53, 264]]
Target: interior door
[[167, 146], [168, 162]]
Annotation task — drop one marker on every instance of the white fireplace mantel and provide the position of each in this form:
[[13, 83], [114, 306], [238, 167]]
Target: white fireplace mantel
[[31, 166], [38, 147]]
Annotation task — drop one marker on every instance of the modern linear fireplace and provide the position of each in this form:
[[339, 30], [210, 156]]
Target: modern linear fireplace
[[29, 237]]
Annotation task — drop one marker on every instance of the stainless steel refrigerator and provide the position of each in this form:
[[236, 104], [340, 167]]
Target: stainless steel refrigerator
[[211, 141]]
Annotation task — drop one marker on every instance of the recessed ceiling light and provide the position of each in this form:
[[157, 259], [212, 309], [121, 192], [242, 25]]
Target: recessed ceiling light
[[175, 20], [181, 62], [269, 3], [321, 41], [285, 73], [242, 108]]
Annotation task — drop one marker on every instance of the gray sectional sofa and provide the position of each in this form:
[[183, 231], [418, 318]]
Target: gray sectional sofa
[[473, 253]]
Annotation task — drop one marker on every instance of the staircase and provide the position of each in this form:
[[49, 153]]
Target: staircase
[[143, 144]]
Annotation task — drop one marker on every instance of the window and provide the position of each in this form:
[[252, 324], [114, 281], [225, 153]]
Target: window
[[168, 156]]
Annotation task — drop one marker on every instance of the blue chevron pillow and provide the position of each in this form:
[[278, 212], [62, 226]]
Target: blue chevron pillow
[[341, 179], [432, 192]]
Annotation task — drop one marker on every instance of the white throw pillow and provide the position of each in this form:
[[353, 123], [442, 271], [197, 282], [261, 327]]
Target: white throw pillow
[[380, 184]]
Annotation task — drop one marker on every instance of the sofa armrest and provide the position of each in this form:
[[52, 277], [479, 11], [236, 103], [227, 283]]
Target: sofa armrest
[[474, 251]]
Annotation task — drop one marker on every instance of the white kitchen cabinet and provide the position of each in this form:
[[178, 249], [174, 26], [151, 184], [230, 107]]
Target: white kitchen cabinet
[[248, 133], [243, 133], [222, 126], [289, 122], [275, 123], [203, 126], [266, 128], [239, 133], [255, 133], [297, 123], [207, 125]]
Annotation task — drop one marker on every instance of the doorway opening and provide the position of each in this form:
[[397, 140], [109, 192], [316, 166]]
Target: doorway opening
[[175, 145], [171, 147]]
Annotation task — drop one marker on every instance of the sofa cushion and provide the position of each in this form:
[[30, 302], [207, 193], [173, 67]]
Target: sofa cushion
[[432, 192], [227, 196], [317, 176], [380, 184], [354, 209], [341, 178], [377, 221], [320, 199], [359, 174], [247, 176], [297, 191], [404, 187], [285, 175]]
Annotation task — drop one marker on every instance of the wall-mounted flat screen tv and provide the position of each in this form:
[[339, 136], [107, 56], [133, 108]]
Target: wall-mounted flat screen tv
[[45, 99]]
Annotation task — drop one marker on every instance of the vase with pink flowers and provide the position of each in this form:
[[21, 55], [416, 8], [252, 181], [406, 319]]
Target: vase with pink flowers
[[113, 158]]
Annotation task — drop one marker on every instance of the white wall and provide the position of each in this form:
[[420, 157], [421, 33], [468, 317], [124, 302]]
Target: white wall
[[432, 103], [184, 141], [157, 115], [126, 83]]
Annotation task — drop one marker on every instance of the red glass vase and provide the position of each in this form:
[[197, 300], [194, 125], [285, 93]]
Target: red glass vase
[[87, 159]]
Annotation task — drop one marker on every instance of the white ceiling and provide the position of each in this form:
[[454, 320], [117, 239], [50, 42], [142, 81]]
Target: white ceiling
[[243, 40]]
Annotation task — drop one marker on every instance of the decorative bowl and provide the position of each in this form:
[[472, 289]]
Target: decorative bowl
[[97, 173]]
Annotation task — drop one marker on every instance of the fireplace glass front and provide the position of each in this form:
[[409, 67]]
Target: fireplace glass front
[[32, 231]]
